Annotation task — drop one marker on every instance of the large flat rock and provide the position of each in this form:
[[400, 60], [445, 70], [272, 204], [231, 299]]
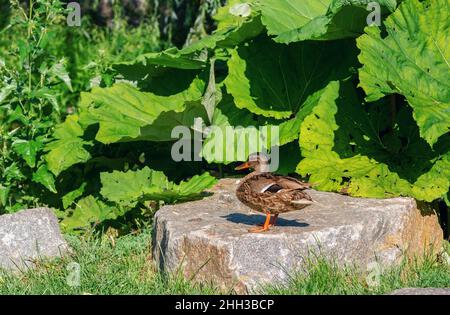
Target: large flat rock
[[29, 235], [209, 238]]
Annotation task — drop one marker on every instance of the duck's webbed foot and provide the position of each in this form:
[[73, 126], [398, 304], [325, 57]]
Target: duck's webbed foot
[[263, 228]]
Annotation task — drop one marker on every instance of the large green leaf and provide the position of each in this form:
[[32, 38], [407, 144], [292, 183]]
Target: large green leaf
[[184, 191], [69, 198], [193, 57], [344, 149], [273, 80], [67, 148], [412, 60], [122, 111], [283, 16], [235, 133], [161, 129], [231, 15], [88, 211], [228, 37], [128, 188], [231, 128], [153, 64], [343, 19]]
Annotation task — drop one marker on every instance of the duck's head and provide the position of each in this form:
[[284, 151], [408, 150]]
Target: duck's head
[[256, 161]]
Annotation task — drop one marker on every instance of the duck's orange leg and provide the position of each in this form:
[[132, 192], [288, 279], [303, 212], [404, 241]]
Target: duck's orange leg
[[264, 228], [274, 220]]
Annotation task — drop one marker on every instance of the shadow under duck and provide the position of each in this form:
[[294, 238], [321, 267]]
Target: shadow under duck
[[269, 193]]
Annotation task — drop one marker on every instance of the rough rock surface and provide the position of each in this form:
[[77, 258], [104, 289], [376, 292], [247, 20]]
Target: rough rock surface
[[29, 235], [421, 291], [208, 238]]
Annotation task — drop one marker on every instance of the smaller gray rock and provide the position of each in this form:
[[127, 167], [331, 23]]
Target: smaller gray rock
[[29, 235], [421, 291]]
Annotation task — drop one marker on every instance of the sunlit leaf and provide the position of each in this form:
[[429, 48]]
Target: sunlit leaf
[[27, 150], [275, 84], [342, 149], [59, 70], [342, 19], [412, 60], [67, 148], [70, 197], [128, 188], [87, 211], [122, 111], [44, 177]]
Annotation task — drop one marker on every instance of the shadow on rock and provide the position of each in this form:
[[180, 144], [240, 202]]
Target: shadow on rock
[[254, 219]]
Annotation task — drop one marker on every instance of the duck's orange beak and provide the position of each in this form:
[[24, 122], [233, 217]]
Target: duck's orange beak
[[242, 166]]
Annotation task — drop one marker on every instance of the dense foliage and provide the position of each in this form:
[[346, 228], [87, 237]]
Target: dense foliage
[[362, 110], [44, 64]]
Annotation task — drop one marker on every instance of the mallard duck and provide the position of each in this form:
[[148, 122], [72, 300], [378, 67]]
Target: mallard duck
[[269, 193]]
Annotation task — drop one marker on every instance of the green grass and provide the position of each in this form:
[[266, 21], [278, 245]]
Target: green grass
[[124, 266], [324, 277]]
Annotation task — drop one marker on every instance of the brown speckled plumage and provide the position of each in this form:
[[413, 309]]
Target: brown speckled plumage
[[280, 197], [269, 193]]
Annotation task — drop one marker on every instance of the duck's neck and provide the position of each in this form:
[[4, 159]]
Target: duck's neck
[[254, 173], [262, 168], [259, 169]]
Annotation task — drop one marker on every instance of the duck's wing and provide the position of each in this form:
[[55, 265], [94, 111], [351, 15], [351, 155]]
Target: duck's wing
[[262, 183], [267, 182], [287, 182], [274, 192]]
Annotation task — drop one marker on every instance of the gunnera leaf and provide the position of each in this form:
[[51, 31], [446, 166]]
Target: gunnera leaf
[[87, 211], [67, 148], [186, 190], [128, 188], [343, 19], [283, 16], [122, 111], [69, 198], [347, 147], [228, 37], [412, 60], [231, 15], [273, 80], [235, 133], [153, 64], [192, 57]]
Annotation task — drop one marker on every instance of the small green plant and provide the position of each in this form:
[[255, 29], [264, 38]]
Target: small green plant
[[33, 81], [44, 64]]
